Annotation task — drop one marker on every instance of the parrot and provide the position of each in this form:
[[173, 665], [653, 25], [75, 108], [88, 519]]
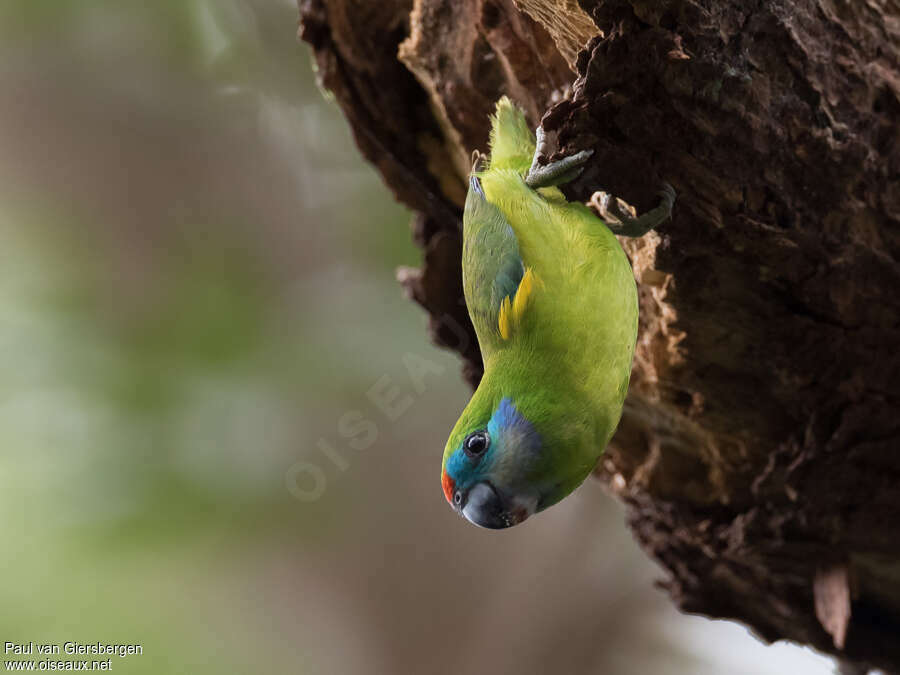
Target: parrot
[[553, 301]]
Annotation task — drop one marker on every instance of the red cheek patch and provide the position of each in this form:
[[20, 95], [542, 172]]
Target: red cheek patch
[[449, 485]]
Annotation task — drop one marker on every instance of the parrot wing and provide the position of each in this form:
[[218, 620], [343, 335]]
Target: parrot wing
[[493, 271]]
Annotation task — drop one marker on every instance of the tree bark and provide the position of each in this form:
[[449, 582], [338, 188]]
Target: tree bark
[[759, 451]]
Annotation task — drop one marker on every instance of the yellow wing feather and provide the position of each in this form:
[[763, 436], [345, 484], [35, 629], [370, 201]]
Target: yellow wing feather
[[503, 318], [511, 312]]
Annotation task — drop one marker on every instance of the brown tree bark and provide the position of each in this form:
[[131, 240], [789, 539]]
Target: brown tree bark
[[759, 452]]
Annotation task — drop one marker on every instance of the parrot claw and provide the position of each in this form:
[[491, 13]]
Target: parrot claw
[[637, 227], [554, 173], [476, 160]]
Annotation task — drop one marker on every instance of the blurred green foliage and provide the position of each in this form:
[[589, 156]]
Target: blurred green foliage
[[157, 366]]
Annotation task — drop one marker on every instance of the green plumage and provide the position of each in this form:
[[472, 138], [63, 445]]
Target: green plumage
[[566, 362]]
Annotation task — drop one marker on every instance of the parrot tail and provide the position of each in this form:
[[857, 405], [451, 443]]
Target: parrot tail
[[512, 141]]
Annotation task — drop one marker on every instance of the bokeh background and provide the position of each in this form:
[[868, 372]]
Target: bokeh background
[[197, 298]]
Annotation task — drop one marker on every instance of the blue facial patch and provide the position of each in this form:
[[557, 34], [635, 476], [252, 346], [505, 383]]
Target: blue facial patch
[[507, 428], [511, 425]]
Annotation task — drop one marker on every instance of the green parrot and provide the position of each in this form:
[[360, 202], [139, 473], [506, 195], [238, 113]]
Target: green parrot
[[554, 304]]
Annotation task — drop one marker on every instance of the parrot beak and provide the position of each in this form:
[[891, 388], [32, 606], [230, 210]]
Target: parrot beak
[[485, 507]]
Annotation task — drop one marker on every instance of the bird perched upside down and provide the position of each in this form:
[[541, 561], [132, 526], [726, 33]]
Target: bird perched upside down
[[554, 304]]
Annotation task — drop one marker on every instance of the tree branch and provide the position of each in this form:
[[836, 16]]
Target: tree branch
[[760, 445]]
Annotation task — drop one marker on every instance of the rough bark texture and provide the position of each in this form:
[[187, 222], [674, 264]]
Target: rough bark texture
[[759, 451]]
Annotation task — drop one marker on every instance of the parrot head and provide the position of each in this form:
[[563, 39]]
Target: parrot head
[[495, 471]]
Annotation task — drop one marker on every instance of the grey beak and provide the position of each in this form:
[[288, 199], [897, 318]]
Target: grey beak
[[485, 508]]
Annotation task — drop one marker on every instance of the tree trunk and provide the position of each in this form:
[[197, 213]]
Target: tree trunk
[[759, 451]]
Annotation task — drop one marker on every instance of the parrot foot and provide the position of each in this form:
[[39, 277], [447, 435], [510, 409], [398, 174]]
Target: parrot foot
[[629, 226], [555, 173]]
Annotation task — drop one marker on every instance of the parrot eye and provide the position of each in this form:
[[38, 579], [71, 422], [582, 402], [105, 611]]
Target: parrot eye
[[457, 497], [476, 443]]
